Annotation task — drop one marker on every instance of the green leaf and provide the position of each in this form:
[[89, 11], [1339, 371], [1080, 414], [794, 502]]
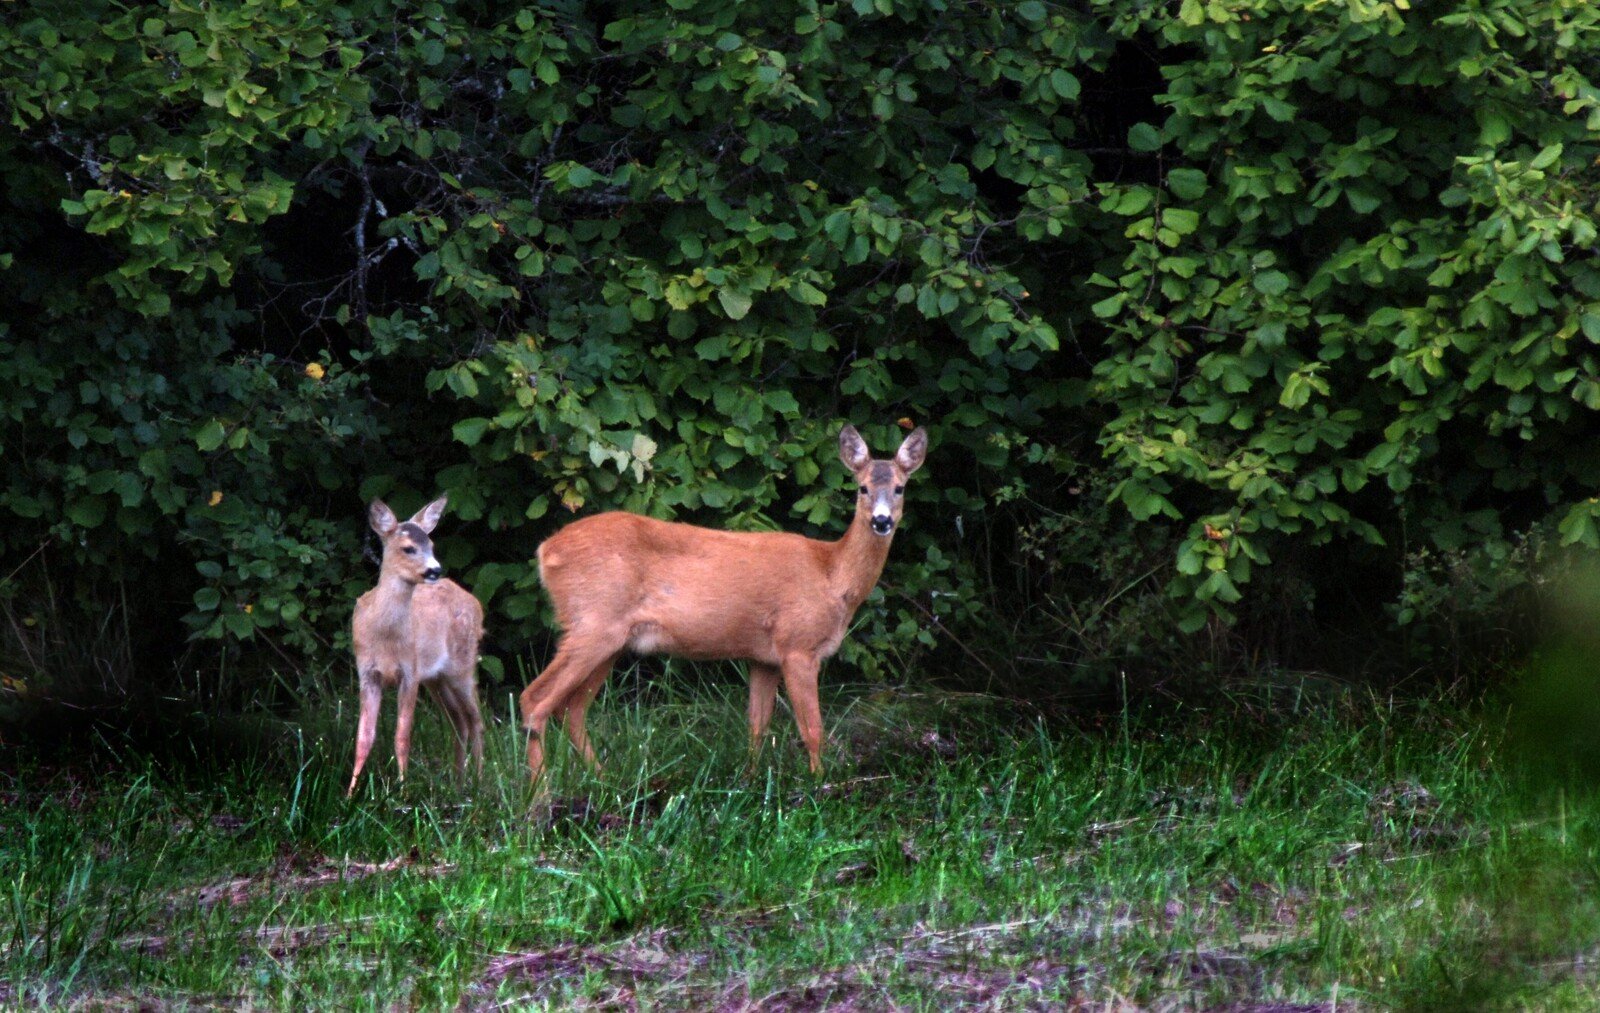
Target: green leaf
[[470, 431], [1493, 127], [713, 346], [1271, 282], [734, 303], [1590, 322], [1144, 137], [1129, 202], [1180, 220], [1382, 455], [1064, 84], [1578, 526], [1278, 109], [1110, 306], [1187, 184], [809, 294], [1296, 392], [1547, 157], [87, 511], [209, 435], [1190, 561], [1363, 201], [782, 402], [24, 506]]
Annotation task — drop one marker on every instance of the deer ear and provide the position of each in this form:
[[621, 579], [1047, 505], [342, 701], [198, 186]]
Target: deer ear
[[382, 518], [428, 517], [853, 449], [912, 451]]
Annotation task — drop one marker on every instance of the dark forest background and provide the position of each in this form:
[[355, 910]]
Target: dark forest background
[[1249, 335]]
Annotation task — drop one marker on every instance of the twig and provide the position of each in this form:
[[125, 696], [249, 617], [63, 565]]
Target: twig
[[978, 929], [7, 579], [934, 621]]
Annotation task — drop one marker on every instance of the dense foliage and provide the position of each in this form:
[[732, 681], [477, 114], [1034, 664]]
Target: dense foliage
[[1181, 290]]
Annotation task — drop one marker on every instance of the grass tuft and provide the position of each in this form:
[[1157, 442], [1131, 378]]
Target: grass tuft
[[958, 851]]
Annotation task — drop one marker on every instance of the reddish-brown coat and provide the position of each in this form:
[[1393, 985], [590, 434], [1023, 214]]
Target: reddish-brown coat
[[782, 601]]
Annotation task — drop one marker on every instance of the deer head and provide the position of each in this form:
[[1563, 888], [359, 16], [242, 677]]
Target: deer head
[[881, 485], [407, 549]]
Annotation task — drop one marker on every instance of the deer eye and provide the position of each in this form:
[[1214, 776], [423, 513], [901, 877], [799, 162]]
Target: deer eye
[[899, 490], [863, 490], [410, 550]]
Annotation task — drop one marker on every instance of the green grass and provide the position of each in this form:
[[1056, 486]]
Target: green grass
[[1355, 852]]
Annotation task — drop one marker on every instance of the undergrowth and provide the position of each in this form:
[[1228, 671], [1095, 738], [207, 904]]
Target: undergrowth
[[1344, 851]]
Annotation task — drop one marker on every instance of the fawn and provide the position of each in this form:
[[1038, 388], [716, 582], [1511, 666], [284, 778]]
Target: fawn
[[416, 628], [782, 601]]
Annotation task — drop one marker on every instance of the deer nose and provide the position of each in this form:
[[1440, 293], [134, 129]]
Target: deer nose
[[432, 573], [882, 524]]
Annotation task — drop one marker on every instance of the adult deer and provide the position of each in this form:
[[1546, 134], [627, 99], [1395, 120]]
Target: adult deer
[[416, 629], [782, 601]]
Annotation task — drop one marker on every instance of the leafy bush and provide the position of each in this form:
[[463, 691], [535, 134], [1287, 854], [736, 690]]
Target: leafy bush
[[1273, 280], [1361, 301]]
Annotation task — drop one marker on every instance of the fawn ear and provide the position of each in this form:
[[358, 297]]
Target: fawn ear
[[853, 449], [382, 518], [912, 451], [428, 517]]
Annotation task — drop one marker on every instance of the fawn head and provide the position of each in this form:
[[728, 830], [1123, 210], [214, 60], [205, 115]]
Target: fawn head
[[881, 485], [407, 549]]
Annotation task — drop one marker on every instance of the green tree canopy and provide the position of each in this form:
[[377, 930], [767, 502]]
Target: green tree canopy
[[1268, 278]]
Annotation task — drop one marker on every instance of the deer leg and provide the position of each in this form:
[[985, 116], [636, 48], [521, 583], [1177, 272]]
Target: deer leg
[[467, 691], [540, 688], [461, 693], [763, 694], [367, 725], [800, 682], [405, 712], [441, 692], [532, 722], [458, 694], [576, 658], [577, 712]]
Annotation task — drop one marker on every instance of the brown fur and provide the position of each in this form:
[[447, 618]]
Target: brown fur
[[410, 632], [620, 581]]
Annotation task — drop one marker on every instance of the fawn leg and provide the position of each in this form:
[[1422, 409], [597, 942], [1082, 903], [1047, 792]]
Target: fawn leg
[[405, 713], [367, 725]]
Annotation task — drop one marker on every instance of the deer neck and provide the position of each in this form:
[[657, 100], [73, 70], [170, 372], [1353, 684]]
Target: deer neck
[[393, 601], [858, 559]]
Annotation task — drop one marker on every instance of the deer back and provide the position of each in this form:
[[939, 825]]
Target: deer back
[[691, 591]]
